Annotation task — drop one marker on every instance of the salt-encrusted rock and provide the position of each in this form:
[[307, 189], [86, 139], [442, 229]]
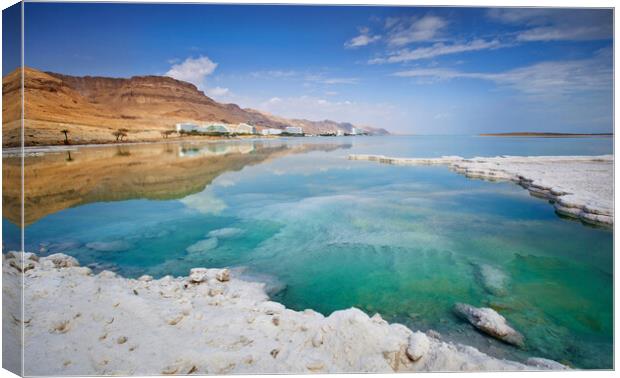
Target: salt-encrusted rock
[[317, 339], [418, 346], [83, 270], [434, 334], [315, 365], [22, 255], [145, 278], [106, 274], [197, 275], [59, 260], [490, 322], [22, 261], [378, 319], [545, 364], [580, 186], [223, 275], [271, 308], [107, 329]]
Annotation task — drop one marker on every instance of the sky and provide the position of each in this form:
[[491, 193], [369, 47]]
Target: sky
[[411, 70]]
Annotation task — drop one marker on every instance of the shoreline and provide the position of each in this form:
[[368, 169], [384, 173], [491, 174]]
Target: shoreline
[[209, 322], [546, 135], [33, 150], [576, 185]]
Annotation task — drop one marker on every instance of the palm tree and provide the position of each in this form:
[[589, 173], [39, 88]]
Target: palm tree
[[65, 131]]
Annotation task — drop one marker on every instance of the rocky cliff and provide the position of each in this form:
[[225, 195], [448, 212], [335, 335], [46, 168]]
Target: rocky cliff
[[92, 108]]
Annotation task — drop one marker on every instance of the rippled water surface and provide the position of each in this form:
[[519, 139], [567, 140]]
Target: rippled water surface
[[327, 233]]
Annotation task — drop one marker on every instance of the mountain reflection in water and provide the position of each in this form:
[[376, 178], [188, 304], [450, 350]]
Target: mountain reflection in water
[[66, 178]]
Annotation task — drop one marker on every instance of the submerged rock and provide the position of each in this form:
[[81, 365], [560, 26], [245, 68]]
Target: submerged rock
[[228, 232], [493, 279], [112, 246], [62, 246], [273, 285], [202, 246], [490, 322]]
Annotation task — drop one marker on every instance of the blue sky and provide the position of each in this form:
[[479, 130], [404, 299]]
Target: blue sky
[[410, 70]]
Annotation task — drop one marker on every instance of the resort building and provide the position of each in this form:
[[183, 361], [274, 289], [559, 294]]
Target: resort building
[[243, 128], [271, 132], [187, 127], [339, 133], [216, 128], [294, 130]]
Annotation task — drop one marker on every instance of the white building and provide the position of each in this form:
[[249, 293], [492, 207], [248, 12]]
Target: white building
[[243, 128], [294, 130], [271, 132], [353, 131], [339, 133], [186, 126], [212, 127]]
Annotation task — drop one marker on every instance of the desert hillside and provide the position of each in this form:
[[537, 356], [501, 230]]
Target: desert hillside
[[92, 108]]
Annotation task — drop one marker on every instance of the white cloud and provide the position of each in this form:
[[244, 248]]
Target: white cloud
[[307, 77], [547, 79], [274, 100], [274, 74], [518, 15], [321, 79], [218, 92], [193, 70], [205, 202], [438, 49], [318, 108], [340, 80], [365, 38], [549, 33], [557, 24], [403, 31]]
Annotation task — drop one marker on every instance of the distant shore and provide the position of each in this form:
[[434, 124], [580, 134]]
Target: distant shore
[[548, 135]]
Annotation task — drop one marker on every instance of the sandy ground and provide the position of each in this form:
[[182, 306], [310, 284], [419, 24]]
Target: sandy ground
[[79, 323], [578, 186]]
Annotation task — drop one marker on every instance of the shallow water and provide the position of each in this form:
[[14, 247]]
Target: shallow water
[[328, 233]]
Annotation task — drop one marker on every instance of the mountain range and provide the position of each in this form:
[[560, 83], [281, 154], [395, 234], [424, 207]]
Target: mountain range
[[92, 108]]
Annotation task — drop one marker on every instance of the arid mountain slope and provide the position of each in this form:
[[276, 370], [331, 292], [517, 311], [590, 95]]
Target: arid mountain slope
[[91, 108]]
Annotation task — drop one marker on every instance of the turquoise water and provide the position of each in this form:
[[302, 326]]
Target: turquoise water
[[327, 233]]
